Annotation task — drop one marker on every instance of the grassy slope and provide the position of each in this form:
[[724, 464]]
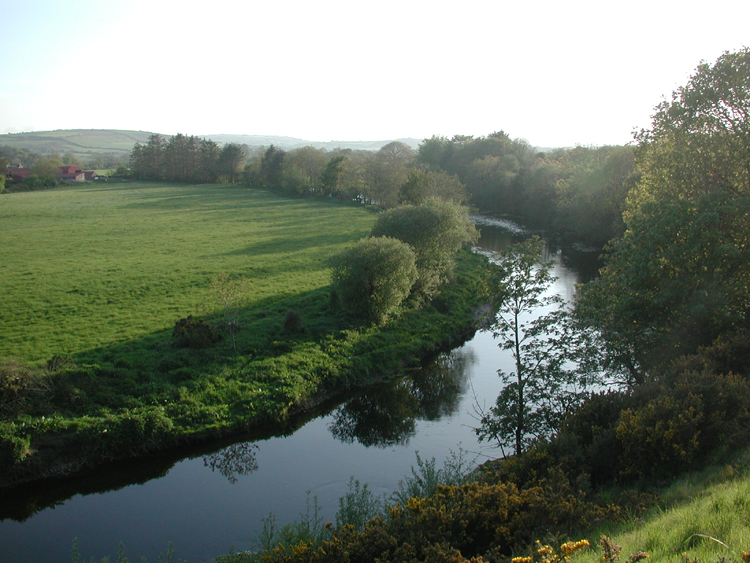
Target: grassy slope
[[76, 141], [705, 515]]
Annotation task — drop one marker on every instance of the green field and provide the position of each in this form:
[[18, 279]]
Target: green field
[[87, 267], [95, 277]]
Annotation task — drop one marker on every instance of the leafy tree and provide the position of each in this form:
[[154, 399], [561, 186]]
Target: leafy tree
[[47, 169], [230, 161], [388, 170], [371, 279], [422, 185], [271, 168], [680, 275], [435, 230], [330, 178], [552, 358]]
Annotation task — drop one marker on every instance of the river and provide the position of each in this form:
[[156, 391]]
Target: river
[[208, 499]]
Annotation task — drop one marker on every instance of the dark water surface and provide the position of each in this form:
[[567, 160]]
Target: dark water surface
[[206, 499]]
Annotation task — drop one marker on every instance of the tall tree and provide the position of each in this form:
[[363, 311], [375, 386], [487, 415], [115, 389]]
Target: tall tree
[[552, 363], [231, 159], [680, 275]]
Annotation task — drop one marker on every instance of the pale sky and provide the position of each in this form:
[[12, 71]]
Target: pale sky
[[556, 73]]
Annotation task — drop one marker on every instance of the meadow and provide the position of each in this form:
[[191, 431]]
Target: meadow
[[94, 279], [88, 267]]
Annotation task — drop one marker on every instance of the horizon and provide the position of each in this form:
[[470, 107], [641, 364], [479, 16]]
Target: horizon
[[554, 75]]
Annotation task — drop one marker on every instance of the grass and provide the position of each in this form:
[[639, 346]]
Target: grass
[[87, 267], [703, 516], [98, 275]]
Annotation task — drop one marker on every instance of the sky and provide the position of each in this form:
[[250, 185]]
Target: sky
[[556, 73]]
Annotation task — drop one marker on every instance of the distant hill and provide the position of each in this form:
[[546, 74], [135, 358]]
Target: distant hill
[[91, 141], [76, 141]]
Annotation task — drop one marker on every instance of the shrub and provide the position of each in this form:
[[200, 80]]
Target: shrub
[[20, 385], [293, 323], [194, 333], [371, 279], [435, 230]]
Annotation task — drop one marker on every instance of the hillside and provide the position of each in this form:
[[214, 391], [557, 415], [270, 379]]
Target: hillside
[[92, 141]]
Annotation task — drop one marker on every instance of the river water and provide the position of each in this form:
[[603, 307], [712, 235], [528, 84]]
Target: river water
[[206, 500]]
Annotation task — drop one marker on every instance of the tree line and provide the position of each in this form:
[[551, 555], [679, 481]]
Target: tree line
[[581, 190], [183, 158]]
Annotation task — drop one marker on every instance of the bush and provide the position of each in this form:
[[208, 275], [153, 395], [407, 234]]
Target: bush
[[20, 385], [194, 333], [293, 323], [371, 279], [435, 230]]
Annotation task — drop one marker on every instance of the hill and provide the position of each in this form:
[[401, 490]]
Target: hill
[[91, 141]]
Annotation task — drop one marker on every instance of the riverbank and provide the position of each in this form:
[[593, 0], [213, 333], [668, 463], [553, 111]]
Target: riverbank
[[293, 375]]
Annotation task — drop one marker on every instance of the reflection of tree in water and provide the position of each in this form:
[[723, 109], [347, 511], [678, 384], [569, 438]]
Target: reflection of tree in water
[[237, 459], [386, 415], [439, 386], [383, 416]]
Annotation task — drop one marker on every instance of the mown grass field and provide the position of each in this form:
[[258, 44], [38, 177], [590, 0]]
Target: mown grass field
[[95, 277], [86, 267]]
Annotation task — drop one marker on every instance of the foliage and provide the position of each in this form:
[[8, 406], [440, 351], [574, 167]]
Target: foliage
[[20, 386], [230, 294], [371, 279], [423, 185], [552, 356], [481, 521], [183, 158], [293, 323], [435, 230], [194, 333], [679, 277], [121, 359]]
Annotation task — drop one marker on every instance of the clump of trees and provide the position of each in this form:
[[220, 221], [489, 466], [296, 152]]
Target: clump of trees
[[679, 276], [183, 158], [409, 253]]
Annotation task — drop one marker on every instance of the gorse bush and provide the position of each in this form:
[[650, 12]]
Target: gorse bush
[[194, 333]]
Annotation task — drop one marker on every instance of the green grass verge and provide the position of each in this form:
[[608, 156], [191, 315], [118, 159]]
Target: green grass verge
[[98, 275], [703, 516]]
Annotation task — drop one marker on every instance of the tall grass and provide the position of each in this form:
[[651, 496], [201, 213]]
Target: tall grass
[[698, 522]]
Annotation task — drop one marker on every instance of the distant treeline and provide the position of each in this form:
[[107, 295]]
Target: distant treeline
[[183, 158], [580, 190]]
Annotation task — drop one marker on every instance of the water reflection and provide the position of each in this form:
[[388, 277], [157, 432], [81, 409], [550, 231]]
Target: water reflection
[[386, 415], [237, 459], [439, 386]]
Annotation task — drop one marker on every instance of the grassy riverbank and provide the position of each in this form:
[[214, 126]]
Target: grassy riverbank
[[95, 277]]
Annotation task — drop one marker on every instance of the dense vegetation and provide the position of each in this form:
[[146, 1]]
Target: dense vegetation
[[668, 324], [127, 337]]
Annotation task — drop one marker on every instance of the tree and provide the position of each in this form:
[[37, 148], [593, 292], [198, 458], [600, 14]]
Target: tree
[[552, 362], [422, 185], [271, 168], [680, 275], [229, 163], [435, 231], [372, 279], [330, 178], [700, 140], [388, 170], [230, 294]]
